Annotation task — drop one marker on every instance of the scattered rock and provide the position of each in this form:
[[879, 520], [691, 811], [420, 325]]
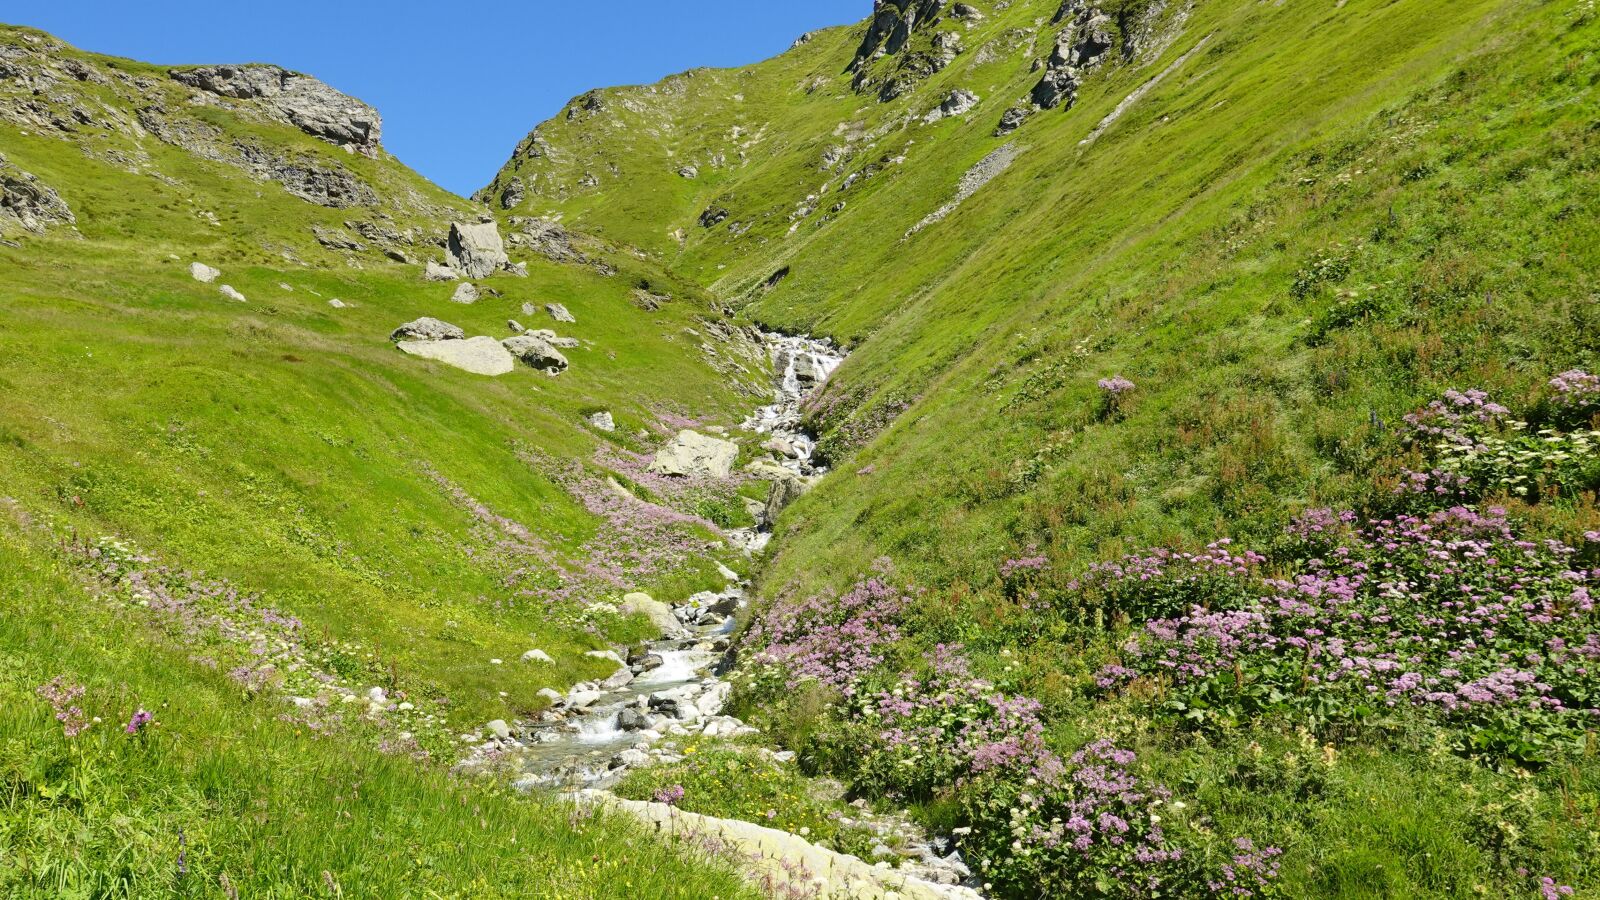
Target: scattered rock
[[231, 293], [689, 172], [336, 303], [479, 355], [603, 421], [558, 312], [499, 729], [1012, 119], [631, 719], [203, 273], [537, 352], [336, 239], [427, 329], [692, 454], [537, 656], [713, 217], [466, 293]]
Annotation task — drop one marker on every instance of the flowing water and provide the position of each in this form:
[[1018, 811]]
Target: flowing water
[[672, 688]]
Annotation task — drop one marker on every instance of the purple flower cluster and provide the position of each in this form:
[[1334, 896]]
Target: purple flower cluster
[[1576, 389], [140, 721], [671, 795], [1037, 820], [831, 640], [1453, 416], [1023, 565], [1116, 385], [1452, 614], [63, 697]]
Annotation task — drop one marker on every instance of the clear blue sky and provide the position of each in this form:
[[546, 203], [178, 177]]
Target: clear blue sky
[[458, 82]]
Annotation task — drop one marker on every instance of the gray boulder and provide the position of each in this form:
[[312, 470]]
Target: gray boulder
[[479, 355], [231, 293], [203, 273], [466, 293], [603, 421], [476, 250], [427, 329], [536, 351], [692, 454], [559, 312]]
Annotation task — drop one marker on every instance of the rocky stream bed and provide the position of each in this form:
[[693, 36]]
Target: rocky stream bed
[[672, 689]]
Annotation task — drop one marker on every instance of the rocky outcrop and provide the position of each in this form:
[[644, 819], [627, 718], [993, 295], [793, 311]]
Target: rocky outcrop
[[29, 202], [891, 26], [427, 329], [299, 100], [476, 250], [1080, 47], [695, 455], [479, 355], [960, 102]]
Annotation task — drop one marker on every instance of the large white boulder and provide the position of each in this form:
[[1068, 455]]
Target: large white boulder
[[693, 454], [659, 614], [479, 355]]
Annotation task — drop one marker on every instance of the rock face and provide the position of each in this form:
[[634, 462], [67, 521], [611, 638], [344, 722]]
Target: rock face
[[891, 27], [1080, 47], [479, 355], [535, 350], [300, 100], [692, 454], [203, 273], [29, 202], [427, 329], [476, 250]]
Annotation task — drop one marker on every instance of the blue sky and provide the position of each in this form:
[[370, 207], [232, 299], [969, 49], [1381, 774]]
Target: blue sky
[[458, 83]]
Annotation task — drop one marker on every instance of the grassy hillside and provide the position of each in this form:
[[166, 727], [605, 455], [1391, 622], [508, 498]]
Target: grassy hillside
[[1187, 321], [216, 505]]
